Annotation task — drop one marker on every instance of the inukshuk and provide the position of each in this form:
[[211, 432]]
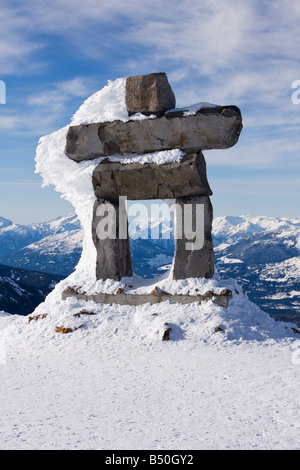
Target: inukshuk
[[215, 127]]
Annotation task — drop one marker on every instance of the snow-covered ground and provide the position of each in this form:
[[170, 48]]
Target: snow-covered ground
[[227, 378]]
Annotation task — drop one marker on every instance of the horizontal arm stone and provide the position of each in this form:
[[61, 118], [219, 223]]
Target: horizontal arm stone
[[210, 128]]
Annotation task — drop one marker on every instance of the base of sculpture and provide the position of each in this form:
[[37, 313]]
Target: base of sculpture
[[122, 298]]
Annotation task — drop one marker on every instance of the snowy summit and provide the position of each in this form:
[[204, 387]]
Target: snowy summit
[[82, 375]]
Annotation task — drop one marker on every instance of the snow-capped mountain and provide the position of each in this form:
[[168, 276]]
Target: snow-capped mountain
[[14, 236], [5, 222], [21, 290], [262, 254], [53, 246]]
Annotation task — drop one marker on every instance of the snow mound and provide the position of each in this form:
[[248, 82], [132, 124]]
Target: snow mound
[[241, 320], [192, 323]]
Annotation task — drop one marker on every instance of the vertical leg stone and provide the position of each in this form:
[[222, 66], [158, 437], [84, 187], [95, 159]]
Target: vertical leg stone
[[194, 256], [111, 239]]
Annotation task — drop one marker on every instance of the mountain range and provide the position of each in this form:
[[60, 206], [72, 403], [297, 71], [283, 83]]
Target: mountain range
[[261, 253], [53, 247]]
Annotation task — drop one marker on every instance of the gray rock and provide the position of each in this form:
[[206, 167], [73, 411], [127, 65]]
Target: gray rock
[[149, 94], [113, 252], [221, 299], [152, 181], [194, 257], [209, 128]]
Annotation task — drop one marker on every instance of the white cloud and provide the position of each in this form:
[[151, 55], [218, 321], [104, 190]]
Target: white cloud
[[257, 186], [257, 153], [9, 122], [40, 112], [56, 95], [21, 183], [16, 42], [229, 52], [244, 48], [205, 36]]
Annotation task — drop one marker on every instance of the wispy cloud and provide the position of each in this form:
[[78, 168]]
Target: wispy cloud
[[17, 44], [244, 48], [203, 36], [227, 52], [21, 183], [55, 96], [258, 185], [40, 111], [258, 152]]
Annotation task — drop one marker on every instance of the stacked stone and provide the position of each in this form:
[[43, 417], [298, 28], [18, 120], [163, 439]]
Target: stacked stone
[[184, 181]]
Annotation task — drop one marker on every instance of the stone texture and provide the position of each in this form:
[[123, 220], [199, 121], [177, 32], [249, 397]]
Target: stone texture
[[113, 255], [221, 299], [212, 128], [149, 94], [152, 181], [197, 262]]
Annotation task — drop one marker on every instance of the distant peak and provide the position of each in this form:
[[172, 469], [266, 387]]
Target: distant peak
[[5, 222]]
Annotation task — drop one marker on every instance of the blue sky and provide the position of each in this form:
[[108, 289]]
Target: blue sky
[[53, 55]]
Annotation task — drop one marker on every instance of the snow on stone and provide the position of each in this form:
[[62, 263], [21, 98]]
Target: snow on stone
[[166, 156], [106, 105], [192, 109]]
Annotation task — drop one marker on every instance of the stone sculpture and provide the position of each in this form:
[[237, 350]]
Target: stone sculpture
[[215, 127]]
